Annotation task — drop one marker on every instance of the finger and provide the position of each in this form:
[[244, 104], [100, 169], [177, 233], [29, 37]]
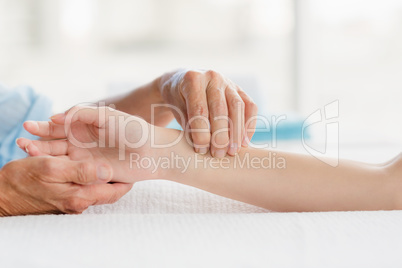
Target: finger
[[197, 111], [79, 172], [59, 118], [218, 114], [64, 157], [236, 116], [33, 150], [250, 113], [22, 143], [105, 193], [45, 129], [85, 114], [27, 146], [95, 116], [53, 148]]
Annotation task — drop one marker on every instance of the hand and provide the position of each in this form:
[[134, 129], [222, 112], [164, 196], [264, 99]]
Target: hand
[[100, 135], [42, 185], [206, 97]]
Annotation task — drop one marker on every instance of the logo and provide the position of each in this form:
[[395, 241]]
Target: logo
[[327, 116]]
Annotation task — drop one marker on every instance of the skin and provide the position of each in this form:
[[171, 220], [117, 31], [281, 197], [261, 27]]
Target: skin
[[304, 184], [51, 185], [42, 185], [200, 98]]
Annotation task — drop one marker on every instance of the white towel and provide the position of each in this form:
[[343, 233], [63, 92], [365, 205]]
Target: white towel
[[164, 224], [170, 197], [337, 239]]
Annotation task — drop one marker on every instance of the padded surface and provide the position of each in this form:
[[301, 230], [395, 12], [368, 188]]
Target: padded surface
[[164, 224]]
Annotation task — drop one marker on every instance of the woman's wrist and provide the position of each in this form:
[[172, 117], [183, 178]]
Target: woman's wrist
[[174, 155]]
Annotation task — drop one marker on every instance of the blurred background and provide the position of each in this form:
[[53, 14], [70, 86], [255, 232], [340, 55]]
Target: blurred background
[[292, 56]]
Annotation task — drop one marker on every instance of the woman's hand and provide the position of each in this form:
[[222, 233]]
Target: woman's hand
[[218, 113], [97, 135]]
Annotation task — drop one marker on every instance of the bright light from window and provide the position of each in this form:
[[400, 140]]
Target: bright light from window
[[77, 17]]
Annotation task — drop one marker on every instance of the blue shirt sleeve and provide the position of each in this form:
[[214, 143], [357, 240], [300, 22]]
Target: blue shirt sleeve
[[16, 106]]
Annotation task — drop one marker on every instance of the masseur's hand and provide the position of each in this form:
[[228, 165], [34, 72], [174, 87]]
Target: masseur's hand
[[204, 98], [42, 185]]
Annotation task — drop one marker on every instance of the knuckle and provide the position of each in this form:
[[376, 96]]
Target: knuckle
[[235, 103], [82, 171], [49, 147], [192, 76], [51, 129], [198, 108], [213, 75], [74, 205]]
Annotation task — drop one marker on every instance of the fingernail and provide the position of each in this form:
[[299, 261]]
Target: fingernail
[[103, 172], [220, 153], [16, 142], [26, 149], [59, 116], [20, 146], [233, 149], [203, 150]]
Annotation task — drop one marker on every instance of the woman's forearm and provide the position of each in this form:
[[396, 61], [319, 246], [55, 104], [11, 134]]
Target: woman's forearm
[[284, 181], [275, 180]]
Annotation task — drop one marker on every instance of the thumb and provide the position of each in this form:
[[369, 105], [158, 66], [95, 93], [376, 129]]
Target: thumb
[[95, 116], [88, 172]]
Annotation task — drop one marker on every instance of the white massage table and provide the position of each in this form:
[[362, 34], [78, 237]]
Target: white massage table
[[163, 224]]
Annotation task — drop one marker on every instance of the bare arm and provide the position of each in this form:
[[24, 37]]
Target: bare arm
[[293, 183], [283, 181]]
